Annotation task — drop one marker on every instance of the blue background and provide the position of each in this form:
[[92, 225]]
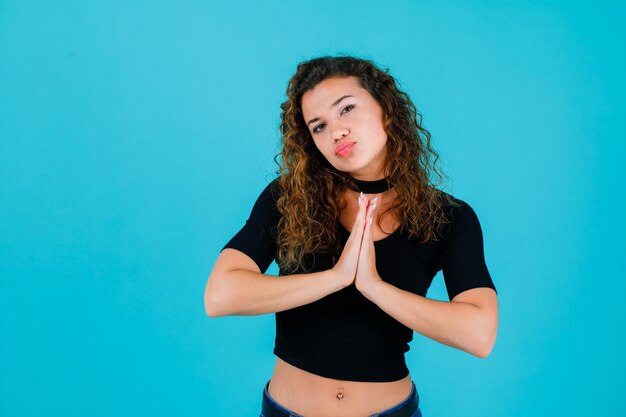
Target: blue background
[[135, 137]]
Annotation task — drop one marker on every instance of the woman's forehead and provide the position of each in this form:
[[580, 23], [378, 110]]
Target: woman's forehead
[[322, 97]]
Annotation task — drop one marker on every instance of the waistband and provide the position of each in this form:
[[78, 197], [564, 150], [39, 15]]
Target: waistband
[[408, 407]]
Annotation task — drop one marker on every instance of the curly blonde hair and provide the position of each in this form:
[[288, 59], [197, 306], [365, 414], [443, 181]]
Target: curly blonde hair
[[311, 188]]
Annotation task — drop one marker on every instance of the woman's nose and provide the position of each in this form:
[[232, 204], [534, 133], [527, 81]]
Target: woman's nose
[[340, 132]]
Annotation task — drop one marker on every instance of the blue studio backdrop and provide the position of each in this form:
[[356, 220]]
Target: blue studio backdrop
[[136, 135]]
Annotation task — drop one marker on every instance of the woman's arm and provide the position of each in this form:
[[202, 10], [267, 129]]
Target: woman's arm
[[468, 322], [236, 287]]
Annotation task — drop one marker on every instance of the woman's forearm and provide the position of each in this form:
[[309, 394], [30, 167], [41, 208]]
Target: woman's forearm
[[248, 293], [460, 325]]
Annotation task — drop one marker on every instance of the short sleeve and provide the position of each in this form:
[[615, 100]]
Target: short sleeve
[[462, 254], [257, 238]]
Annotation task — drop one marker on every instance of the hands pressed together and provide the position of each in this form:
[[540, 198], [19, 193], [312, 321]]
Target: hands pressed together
[[357, 263]]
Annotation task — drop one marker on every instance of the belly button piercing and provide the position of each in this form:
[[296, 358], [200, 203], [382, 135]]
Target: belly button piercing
[[340, 395]]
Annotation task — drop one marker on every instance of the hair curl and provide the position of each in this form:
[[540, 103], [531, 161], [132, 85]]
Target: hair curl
[[311, 188]]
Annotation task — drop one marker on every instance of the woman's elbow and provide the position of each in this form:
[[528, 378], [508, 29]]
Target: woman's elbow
[[212, 302], [485, 346], [210, 309], [484, 352], [487, 333]]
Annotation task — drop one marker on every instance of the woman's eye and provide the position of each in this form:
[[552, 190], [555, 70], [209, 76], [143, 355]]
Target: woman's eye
[[315, 129], [350, 106], [345, 109]]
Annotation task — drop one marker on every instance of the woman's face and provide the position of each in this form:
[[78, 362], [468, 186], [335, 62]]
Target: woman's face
[[346, 124]]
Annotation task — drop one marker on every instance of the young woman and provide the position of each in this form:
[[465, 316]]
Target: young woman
[[358, 230]]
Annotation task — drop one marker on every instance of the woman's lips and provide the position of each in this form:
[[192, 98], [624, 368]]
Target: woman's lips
[[344, 148]]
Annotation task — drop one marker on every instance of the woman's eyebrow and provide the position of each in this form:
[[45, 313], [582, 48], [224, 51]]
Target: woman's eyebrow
[[331, 106]]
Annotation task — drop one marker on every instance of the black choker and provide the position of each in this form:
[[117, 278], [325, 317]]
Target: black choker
[[371, 187]]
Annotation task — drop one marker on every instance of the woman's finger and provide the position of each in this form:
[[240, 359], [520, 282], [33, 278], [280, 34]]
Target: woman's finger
[[359, 221], [368, 234]]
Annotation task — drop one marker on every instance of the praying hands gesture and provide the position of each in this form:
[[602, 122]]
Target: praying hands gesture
[[357, 263]]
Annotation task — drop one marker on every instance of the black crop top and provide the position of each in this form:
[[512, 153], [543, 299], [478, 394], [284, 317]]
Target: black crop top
[[344, 335]]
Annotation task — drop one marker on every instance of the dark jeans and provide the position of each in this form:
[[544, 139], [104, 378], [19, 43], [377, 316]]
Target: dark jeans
[[409, 407]]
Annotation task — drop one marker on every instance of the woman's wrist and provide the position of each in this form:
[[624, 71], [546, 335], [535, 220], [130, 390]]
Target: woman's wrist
[[339, 278]]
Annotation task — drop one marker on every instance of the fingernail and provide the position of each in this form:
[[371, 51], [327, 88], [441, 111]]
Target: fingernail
[[360, 197]]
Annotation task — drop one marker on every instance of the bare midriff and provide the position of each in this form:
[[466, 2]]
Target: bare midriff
[[315, 396]]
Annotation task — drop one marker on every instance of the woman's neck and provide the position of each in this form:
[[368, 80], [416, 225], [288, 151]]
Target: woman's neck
[[370, 187]]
